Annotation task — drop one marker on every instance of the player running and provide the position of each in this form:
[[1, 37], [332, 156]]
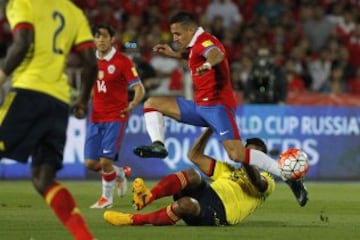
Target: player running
[[110, 112], [34, 116]]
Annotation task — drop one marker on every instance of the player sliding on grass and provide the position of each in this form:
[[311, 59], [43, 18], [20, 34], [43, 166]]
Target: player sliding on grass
[[233, 194], [214, 104]]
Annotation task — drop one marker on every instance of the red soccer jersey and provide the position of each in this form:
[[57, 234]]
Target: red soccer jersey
[[214, 86], [116, 73]]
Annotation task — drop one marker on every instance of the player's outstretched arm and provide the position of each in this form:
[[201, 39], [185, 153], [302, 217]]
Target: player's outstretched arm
[[88, 78], [196, 153], [23, 38], [166, 50]]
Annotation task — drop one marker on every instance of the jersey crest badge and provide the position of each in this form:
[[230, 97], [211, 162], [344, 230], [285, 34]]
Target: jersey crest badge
[[111, 69]]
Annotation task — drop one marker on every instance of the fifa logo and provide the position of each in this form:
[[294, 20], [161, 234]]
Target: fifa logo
[[101, 87]]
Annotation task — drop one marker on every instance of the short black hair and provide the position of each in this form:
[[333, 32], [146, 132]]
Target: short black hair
[[257, 142], [183, 17], [108, 27]]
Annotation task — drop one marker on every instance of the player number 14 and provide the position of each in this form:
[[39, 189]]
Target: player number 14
[[101, 87]]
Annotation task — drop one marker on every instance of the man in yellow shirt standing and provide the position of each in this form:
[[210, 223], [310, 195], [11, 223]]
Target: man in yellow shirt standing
[[34, 116]]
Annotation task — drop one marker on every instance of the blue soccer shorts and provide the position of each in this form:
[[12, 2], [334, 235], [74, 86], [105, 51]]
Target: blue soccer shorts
[[219, 118], [103, 139]]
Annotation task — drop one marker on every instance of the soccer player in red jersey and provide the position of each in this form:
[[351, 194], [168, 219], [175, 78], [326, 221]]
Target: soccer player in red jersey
[[214, 105], [110, 112]]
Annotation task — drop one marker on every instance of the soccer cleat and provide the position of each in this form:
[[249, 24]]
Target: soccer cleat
[[121, 183], [141, 194], [102, 203], [118, 218], [156, 150], [299, 190], [127, 170]]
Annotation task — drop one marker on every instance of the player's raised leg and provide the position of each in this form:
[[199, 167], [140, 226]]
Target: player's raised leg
[[155, 108]]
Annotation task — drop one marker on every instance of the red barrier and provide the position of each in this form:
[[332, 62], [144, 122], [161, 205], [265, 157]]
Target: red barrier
[[315, 99]]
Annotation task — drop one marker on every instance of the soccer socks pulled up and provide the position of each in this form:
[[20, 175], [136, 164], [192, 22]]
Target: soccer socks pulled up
[[262, 161], [63, 205], [164, 216], [169, 185], [108, 182], [154, 122]]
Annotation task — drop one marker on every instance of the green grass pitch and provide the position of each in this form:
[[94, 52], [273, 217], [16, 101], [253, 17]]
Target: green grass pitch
[[333, 213]]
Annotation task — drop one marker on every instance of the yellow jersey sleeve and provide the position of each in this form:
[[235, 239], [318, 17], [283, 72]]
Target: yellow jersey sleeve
[[59, 26], [20, 11]]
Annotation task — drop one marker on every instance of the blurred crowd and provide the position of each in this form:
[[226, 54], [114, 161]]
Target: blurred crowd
[[315, 42]]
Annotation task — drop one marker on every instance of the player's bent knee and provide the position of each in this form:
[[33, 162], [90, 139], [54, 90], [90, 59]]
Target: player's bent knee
[[188, 205], [194, 177], [151, 102]]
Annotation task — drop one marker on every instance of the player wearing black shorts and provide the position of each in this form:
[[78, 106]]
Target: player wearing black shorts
[[232, 195], [35, 113]]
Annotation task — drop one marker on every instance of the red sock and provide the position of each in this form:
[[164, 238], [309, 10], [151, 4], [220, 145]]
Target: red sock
[[63, 205], [164, 216], [170, 185]]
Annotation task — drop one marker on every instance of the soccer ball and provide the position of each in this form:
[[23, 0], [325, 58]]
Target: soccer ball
[[293, 163]]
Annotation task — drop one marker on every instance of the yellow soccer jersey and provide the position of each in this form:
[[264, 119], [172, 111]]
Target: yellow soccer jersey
[[59, 26], [239, 196]]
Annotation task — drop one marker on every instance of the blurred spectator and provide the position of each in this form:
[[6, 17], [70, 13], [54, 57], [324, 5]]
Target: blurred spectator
[[318, 28], [354, 83], [353, 45], [299, 58], [134, 7], [320, 69], [295, 82], [345, 26], [105, 13], [217, 27], [225, 9], [336, 83], [240, 72], [342, 60], [246, 8], [267, 82], [271, 9]]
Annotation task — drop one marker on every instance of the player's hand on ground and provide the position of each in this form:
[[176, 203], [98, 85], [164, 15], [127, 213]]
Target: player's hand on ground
[[79, 110]]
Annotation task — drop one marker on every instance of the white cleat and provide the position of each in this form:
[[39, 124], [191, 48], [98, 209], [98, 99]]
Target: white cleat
[[102, 203]]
